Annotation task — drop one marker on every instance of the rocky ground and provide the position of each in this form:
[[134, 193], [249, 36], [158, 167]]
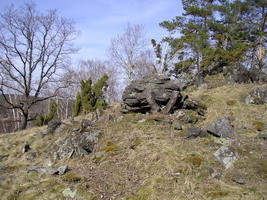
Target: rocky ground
[[215, 151]]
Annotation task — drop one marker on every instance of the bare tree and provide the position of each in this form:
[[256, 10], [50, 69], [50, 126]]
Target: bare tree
[[33, 50], [126, 50]]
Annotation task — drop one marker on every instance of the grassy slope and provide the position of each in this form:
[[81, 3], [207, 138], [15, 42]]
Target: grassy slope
[[148, 160]]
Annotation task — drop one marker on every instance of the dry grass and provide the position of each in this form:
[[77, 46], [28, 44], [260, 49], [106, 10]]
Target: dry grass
[[147, 160]]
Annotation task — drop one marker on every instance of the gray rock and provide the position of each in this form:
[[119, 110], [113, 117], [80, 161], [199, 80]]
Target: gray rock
[[177, 125], [42, 170], [141, 121], [179, 114], [236, 74], [62, 169], [25, 148], [47, 163], [78, 145], [258, 75], [240, 180], [135, 94], [50, 171], [69, 192], [32, 155], [221, 128], [52, 126], [262, 136], [85, 124], [60, 128], [214, 173], [119, 119], [202, 86], [257, 96], [226, 155], [188, 103], [194, 132]]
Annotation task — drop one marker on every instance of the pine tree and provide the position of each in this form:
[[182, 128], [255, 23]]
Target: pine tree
[[193, 27]]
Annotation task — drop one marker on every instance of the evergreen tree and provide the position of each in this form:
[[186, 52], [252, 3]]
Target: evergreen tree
[[43, 120], [257, 21], [91, 97], [77, 105], [230, 33], [87, 96], [193, 27]]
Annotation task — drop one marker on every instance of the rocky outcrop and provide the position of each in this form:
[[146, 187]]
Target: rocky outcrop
[[155, 93], [236, 74], [258, 75], [257, 96], [50, 171], [52, 126], [78, 145]]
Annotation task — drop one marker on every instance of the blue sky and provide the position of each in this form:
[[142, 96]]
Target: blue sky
[[101, 20]]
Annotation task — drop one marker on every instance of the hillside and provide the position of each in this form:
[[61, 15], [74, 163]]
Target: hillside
[[143, 156]]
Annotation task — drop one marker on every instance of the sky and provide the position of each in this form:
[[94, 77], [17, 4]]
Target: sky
[[101, 20]]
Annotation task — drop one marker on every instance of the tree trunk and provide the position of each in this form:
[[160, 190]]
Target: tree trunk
[[24, 120]]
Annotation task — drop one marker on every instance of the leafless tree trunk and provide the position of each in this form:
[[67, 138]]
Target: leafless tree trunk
[[33, 49]]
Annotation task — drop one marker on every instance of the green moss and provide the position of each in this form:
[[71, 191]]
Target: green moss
[[217, 194], [97, 159], [259, 125], [231, 102], [71, 178], [110, 147], [182, 133]]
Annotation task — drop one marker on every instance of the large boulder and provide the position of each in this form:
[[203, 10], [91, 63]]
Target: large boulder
[[257, 96], [236, 74], [151, 93], [258, 75]]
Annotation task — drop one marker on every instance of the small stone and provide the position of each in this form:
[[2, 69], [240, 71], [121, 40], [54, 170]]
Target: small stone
[[194, 132], [31, 156], [141, 121], [214, 173], [180, 114], [240, 180], [68, 192], [120, 118], [262, 136], [47, 163], [177, 125], [226, 155], [25, 148], [62, 169]]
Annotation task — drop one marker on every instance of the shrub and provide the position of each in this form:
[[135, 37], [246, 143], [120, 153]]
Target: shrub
[[91, 97], [43, 120]]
